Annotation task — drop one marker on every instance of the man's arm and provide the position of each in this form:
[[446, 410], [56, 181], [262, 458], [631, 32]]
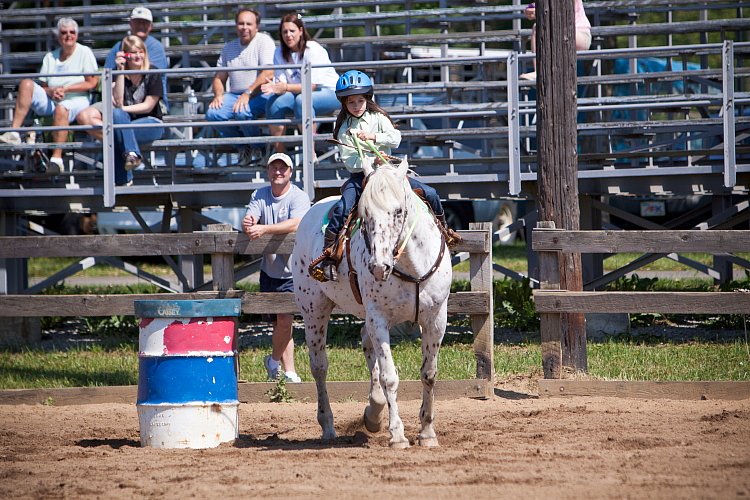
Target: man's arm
[[257, 230], [110, 61], [88, 83], [263, 77]]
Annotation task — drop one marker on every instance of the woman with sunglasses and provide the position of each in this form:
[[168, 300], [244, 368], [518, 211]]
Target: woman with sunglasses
[[61, 97]]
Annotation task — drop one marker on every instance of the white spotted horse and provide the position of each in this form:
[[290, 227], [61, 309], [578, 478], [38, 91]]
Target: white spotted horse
[[404, 274]]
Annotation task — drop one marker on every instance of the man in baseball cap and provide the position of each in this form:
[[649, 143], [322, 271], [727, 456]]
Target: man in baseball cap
[[142, 13], [277, 209], [141, 21]]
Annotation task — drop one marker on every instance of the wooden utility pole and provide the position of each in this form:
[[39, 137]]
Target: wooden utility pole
[[558, 157]]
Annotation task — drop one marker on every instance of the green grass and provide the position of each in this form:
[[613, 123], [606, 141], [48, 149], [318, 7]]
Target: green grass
[[514, 257], [511, 256], [42, 267], [98, 365], [113, 359]]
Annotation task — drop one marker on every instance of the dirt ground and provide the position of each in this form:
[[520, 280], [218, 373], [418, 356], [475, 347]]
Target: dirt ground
[[514, 446]]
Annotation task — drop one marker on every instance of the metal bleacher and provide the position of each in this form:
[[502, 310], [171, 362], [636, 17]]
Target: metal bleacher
[[663, 101]]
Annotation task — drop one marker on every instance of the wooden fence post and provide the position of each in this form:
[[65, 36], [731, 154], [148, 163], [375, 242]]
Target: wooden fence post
[[480, 272], [558, 157], [550, 327], [222, 263]]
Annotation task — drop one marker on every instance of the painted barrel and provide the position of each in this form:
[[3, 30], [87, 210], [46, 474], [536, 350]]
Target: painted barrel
[[187, 372]]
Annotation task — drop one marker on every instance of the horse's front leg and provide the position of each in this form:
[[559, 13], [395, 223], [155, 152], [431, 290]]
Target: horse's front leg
[[432, 336], [377, 327], [374, 412], [316, 330]]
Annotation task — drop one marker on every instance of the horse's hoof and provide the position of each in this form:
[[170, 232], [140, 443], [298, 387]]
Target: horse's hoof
[[373, 425], [399, 445], [431, 442], [328, 437]]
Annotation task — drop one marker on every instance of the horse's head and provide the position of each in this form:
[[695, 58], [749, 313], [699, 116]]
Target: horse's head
[[383, 211]]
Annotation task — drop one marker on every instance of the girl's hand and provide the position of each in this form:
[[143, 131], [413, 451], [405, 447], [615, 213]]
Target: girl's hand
[[365, 136], [120, 60]]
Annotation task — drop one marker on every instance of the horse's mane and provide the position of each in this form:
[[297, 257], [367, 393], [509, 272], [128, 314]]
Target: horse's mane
[[383, 192]]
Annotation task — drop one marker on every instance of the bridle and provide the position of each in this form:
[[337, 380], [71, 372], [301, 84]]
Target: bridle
[[403, 236]]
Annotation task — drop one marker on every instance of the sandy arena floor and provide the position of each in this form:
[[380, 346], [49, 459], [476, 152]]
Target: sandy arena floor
[[510, 447]]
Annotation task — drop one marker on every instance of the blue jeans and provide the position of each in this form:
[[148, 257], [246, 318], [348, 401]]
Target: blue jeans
[[324, 102], [352, 190], [127, 140], [256, 109]]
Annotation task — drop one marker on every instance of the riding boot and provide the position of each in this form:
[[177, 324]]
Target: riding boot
[[452, 238], [326, 269]]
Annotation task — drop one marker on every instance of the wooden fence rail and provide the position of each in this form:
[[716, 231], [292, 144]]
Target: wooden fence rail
[[552, 301], [223, 245]]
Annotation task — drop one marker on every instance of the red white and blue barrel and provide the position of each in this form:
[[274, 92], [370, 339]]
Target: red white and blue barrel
[[187, 372]]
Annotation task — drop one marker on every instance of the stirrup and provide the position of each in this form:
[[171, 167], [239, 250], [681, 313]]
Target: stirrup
[[452, 238], [317, 267], [325, 271]]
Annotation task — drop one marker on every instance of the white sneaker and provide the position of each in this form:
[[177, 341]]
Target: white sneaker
[[273, 373], [55, 165], [292, 378], [11, 138]]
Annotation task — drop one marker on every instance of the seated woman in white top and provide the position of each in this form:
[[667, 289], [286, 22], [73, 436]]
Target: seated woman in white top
[[286, 87]]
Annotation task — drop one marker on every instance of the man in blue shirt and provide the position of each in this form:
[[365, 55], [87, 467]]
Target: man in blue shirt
[[141, 22]]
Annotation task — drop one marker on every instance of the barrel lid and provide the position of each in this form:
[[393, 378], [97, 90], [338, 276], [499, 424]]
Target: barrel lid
[[187, 308]]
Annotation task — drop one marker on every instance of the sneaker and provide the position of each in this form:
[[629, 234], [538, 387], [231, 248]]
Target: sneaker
[[292, 378], [31, 138], [273, 373], [11, 138], [250, 155], [132, 161], [55, 165]]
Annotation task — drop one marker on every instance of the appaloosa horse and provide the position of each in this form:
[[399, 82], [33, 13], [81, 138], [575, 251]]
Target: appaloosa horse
[[404, 271]]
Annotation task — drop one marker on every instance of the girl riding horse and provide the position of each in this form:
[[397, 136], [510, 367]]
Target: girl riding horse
[[362, 129]]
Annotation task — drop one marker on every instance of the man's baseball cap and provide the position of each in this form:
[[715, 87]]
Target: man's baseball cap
[[142, 13], [281, 156]]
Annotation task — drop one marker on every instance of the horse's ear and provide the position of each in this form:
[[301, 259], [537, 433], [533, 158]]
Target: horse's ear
[[367, 165], [403, 167]]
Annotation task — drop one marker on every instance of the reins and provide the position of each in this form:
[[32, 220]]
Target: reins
[[405, 235], [417, 281], [400, 249]]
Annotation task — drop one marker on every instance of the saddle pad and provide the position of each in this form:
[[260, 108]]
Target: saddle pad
[[327, 204]]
